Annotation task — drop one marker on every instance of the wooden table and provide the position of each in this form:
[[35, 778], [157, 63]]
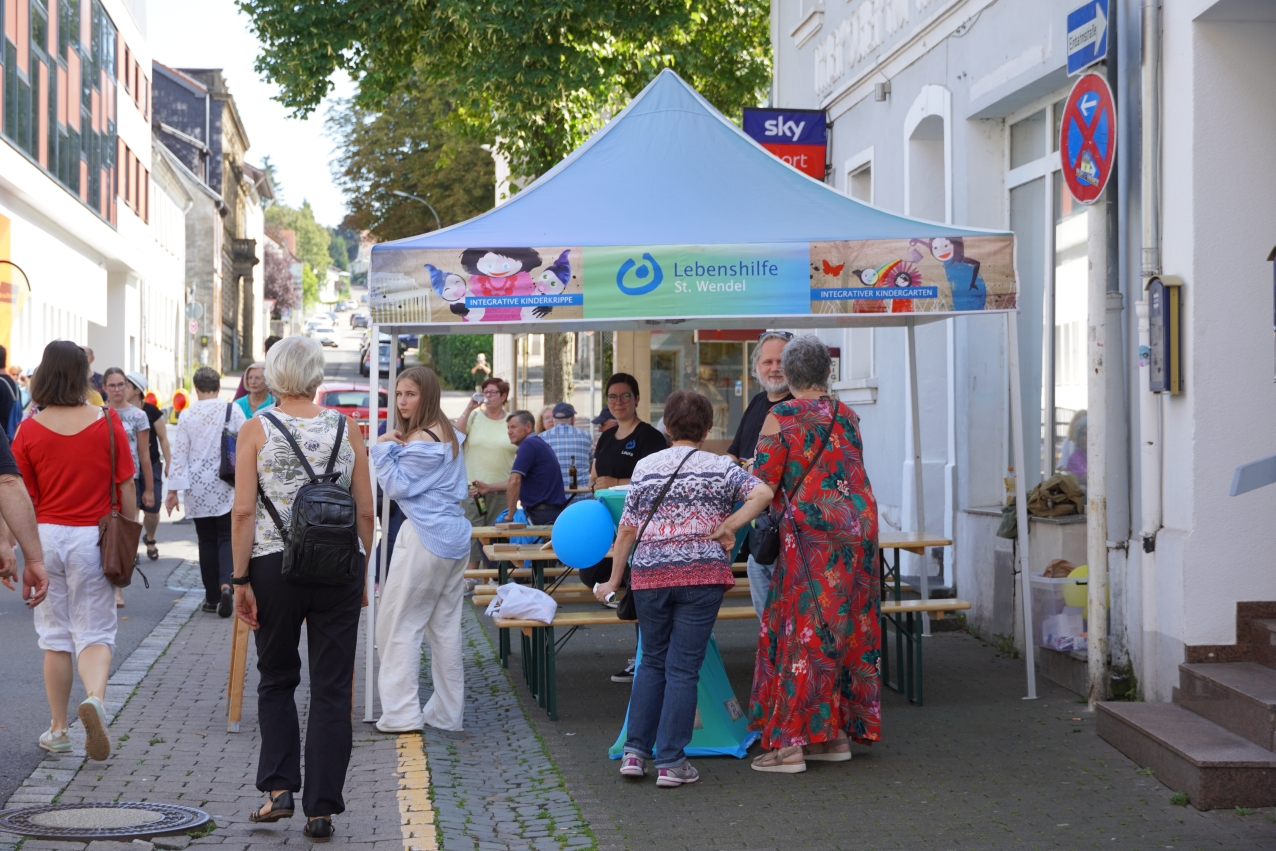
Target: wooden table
[[908, 673]]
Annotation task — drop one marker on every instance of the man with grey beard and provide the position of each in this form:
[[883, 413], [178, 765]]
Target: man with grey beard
[[775, 389]]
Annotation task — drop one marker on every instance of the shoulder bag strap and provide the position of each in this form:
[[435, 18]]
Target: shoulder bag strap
[[261, 494], [229, 411], [292, 441], [816, 457], [110, 439], [659, 499], [336, 446]]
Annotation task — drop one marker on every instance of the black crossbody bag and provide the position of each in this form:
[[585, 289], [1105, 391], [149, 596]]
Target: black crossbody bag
[[764, 537], [625, 609]]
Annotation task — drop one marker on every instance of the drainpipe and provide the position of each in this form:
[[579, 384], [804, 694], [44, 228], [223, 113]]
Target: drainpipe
[[1150, 403]]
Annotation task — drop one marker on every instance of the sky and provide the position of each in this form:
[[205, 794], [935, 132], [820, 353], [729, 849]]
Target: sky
[[215, 34]]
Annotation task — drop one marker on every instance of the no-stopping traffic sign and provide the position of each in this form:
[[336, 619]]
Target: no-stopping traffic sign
[[1087, 138]]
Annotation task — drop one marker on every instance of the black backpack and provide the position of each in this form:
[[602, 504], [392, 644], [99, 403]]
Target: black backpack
[[321, 547]]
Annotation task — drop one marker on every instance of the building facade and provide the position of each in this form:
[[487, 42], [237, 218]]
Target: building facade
[[197, 121], [80, 214], [950, 110]]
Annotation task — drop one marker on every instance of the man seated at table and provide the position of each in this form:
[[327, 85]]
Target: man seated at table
[[572, 446], [535, 477]]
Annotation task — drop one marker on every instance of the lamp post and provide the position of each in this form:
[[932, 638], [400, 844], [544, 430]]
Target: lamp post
[[402, 194]]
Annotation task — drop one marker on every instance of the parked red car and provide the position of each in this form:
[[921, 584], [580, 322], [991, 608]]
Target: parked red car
[[351, 400]]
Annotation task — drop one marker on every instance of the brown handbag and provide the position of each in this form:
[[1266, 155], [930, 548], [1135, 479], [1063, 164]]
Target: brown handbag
[[117, 535]]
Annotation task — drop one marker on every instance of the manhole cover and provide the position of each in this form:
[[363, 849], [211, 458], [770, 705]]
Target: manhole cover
[[121, 820]]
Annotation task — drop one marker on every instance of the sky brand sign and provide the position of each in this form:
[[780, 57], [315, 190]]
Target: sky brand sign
[[696, 280], [797, 136]]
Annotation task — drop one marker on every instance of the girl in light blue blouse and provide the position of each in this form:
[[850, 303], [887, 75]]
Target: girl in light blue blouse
[[419, 463]]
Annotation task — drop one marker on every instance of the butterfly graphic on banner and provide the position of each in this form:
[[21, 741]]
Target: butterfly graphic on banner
[[830, 269]]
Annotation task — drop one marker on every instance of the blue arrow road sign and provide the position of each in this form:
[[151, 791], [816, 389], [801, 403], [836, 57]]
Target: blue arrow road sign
[[1087, 35]]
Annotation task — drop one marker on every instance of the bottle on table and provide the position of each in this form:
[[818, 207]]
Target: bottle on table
[[571, 473]]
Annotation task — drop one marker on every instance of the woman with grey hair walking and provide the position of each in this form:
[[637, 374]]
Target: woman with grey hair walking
[[277, 454], [815, 682]]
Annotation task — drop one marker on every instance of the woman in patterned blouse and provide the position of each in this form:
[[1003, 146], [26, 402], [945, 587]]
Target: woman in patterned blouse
[[276, 608], [680, 569]]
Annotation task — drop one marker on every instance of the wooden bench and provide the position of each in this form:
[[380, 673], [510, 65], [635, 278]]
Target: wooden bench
[[540, 647]]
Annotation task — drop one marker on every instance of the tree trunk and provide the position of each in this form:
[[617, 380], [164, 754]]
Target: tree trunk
[[558, 368]]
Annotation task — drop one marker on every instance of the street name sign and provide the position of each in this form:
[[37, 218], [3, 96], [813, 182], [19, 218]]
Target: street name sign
[[1087, 35], [1087, 138]]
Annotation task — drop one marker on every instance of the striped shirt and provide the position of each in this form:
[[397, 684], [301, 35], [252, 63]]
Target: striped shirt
[[429, 485]]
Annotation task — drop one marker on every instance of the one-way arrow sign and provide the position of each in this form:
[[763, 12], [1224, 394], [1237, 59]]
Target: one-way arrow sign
[[1087, 35]]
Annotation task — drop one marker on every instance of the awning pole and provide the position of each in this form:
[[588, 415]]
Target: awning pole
[[919, 499], [1021, 501], [369, 650]]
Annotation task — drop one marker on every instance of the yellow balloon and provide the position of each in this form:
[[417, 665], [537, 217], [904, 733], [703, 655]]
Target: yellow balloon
[[1075, 594]]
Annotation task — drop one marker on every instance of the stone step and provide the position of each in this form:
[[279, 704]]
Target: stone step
[[1262, 637], [1191, 754], [1240, 696]]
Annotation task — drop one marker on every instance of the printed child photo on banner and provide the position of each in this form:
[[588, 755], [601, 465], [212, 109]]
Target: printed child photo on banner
[[476, 285]]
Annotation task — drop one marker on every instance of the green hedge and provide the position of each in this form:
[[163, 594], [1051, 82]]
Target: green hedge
[[453, 357]]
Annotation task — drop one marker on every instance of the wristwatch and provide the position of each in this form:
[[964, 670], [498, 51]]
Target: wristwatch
[[240, 580]]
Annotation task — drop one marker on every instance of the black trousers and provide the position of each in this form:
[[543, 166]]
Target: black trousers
[[215, 565], [331, 615]]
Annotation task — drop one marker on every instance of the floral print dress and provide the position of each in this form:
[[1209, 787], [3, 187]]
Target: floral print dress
[[807, 689]]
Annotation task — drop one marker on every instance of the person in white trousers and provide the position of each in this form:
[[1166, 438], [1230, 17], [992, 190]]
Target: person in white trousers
[[419, 463]]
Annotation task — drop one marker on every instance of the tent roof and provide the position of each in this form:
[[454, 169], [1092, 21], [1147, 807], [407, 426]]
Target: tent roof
[[672, 170]]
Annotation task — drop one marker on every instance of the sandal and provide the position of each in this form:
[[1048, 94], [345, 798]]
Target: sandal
[[838, 750], [152, 551], [781, 761], [319, 828], [281, 807]]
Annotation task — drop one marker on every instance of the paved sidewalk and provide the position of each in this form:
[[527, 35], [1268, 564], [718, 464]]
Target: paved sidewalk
[[976, 767]]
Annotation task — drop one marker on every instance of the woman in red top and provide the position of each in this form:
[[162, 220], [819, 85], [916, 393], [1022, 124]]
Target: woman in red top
[[64, 456]]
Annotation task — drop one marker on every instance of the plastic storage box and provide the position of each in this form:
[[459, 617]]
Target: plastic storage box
[[1056, 625]]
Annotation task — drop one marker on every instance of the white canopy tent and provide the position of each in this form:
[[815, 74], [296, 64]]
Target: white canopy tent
[[670, 217]]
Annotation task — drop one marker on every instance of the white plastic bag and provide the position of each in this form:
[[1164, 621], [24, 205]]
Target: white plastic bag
[[519, 602]]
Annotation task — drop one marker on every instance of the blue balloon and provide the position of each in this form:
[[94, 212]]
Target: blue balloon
[[583, 534]]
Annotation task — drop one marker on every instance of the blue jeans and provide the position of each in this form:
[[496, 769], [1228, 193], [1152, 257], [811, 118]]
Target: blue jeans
[[759, 584], [676, 624]]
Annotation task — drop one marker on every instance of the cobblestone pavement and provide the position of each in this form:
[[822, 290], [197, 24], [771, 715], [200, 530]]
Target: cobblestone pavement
[[494, 785], [977, 767]]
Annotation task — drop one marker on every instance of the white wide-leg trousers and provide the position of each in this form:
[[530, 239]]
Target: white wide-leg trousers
[[421, 600]]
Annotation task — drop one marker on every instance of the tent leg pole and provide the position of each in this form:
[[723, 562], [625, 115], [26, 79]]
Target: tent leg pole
[[369, 650], [1021, 501], [919, 499]]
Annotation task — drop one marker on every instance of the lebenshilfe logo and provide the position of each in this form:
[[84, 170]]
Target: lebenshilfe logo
[[641, 271]]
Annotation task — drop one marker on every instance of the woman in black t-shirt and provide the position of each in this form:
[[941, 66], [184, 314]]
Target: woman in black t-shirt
[[620, 448]]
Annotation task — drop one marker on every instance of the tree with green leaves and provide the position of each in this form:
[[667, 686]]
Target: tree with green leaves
[[406, 144], [312, 237], [309, 286], [533, 78]]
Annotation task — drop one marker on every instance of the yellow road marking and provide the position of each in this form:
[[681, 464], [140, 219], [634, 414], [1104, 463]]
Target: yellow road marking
[[416, 814]]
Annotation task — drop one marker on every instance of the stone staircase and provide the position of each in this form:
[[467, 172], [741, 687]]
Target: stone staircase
[[1217, 740]]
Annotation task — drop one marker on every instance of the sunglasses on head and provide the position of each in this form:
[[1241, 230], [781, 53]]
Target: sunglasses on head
[[779, 335]]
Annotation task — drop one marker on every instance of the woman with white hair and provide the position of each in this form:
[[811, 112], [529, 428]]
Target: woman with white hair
[[816, 686], [259, 396], [279, 452]]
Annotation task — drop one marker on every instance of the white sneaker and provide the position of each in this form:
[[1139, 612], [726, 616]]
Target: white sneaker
[[97, 744], [55, 742]]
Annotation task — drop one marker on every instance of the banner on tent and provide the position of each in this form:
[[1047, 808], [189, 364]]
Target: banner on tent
[[507, 285]]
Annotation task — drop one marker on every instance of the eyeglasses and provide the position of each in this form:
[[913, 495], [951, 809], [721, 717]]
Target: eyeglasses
[[779, 335], [491, 394], [612, 398]]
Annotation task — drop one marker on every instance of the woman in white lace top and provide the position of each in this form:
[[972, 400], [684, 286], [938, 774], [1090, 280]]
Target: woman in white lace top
[[193, 472]]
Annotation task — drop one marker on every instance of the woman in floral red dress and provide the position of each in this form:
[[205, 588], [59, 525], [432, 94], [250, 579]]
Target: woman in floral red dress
[[816, 683]]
